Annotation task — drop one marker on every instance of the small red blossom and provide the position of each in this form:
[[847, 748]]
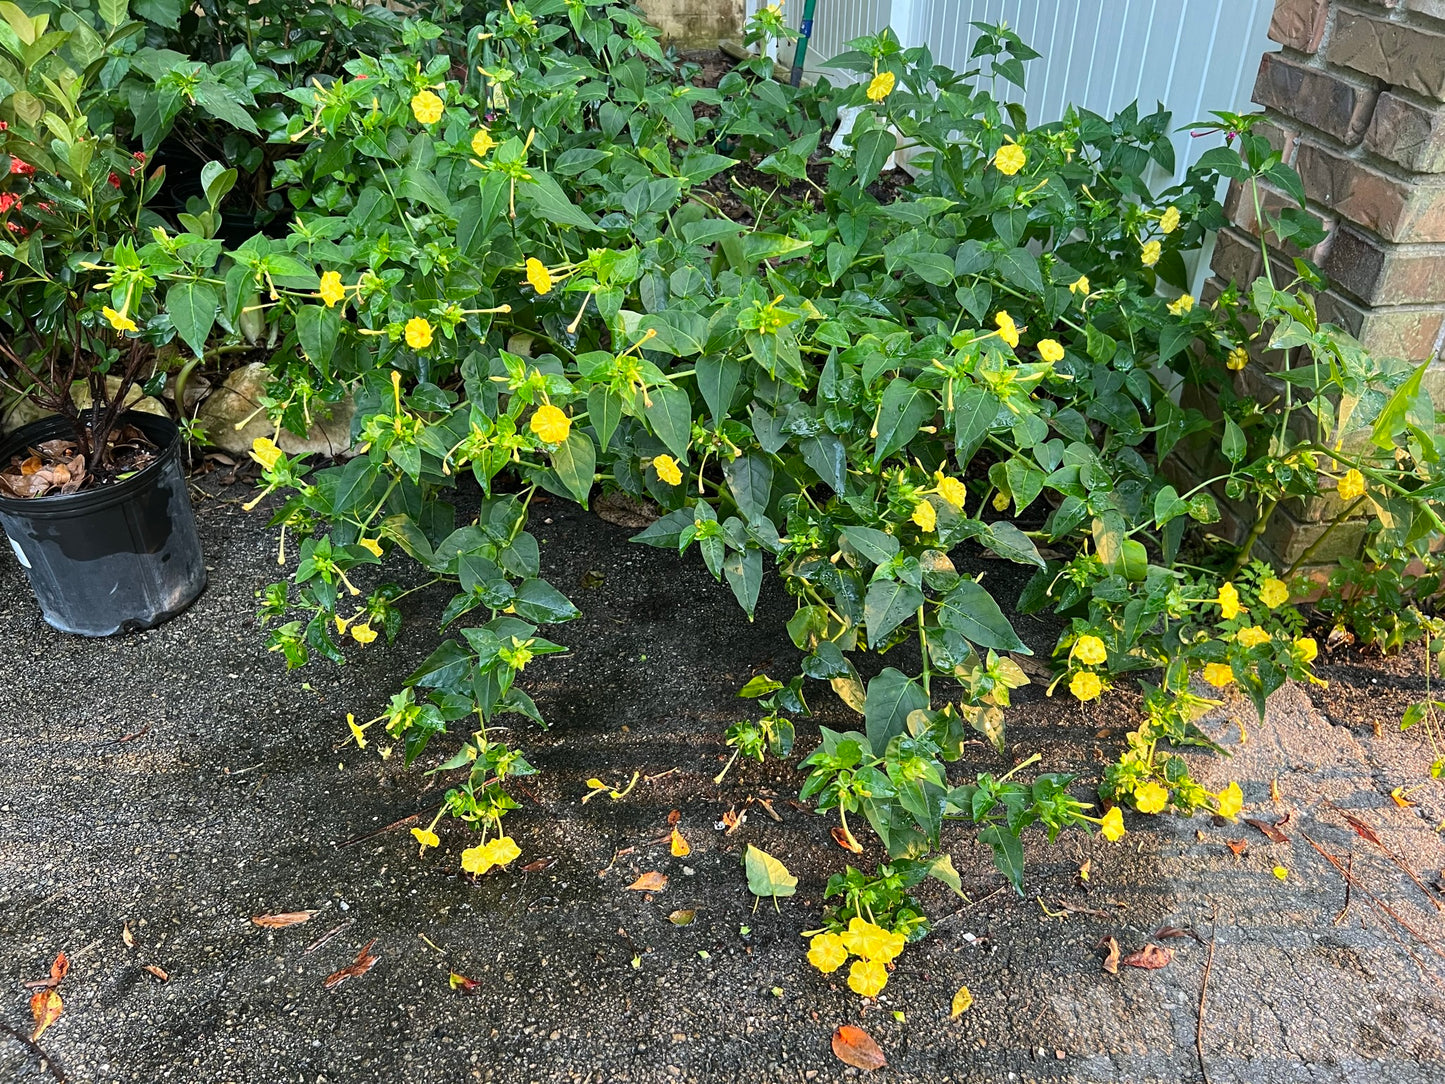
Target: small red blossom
[[21, 169], [114, 179], [4, 127], [139, 156], [16, 229], [9, 201]]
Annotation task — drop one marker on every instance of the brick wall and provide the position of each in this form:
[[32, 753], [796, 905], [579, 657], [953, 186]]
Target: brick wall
[[1355, 101]]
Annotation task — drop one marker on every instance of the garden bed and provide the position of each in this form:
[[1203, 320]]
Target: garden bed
[[180, 782]]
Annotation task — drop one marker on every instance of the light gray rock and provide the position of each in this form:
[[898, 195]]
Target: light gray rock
[[232, 418]]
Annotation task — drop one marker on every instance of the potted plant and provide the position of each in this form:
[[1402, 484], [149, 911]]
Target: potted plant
[[92, 495]]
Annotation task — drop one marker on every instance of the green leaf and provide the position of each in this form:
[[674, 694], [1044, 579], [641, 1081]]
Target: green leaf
[[766, 875], [750, 480], [112, 11], [971, 612], [871, 152], [1232, 444], [904, 409], [717, 379], [877, 546], [547, 200], [744, 572], [892, 695], [192, 307], [1008, 854], [575, 462], [604, 407], [317, 328], [670, 417], [973, 413], [888, 604], [1392, 418], [540, 602]]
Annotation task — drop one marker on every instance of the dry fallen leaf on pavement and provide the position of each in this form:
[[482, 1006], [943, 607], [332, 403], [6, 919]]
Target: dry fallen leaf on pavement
[[59, 968], [1270, 830], [651, 881], [855, 1047], [157, 972], [1111, 961], [539, 865], [674, 817], [961, 1003], [46, 1007], [1238, 846], [1398, 794], [1363, 830], [281, 921], [682, 918], [126, 935], [1151, 957], [680, 848], [360, 966], [1165, 932]]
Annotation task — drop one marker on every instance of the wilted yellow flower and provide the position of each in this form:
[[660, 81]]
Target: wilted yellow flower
[[1050, 350], [1007, 330], [426, 837], [1305, 649], [1181, 305], [426, 107], [1080, 286], [551, 424], [1151, 797], [418, 333], [951, 490], [1086, 685], [1252, 636], [1228, 600], [1169, 220], [925, 516], [1231, 800], [1150, 253], [1218, 674], [1238, 359], [867, 978], [1351, 485], [538, 275], [1009, 159], [265, 451], [668, 470], [1090, 651], [1000, 500], [826, 952], [358, 730], [1273, 592], [118, 320], [1112, 825], [363, 634], [331, 289], [871, 941], [881, 86], [482, 142], [371, 545]]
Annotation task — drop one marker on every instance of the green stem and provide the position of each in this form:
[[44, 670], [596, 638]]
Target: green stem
[[1254, 535]]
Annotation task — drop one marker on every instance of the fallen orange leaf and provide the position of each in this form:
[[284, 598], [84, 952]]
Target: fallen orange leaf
[[651, 881], [46, 1007], [277, 922], [360, 966], [854, 1046], [158, 973], [1111, 961], [680, 848], [1398, 794], [1151, 957]]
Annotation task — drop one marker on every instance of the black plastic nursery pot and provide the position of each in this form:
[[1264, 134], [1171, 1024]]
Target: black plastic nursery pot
[[116, 558]]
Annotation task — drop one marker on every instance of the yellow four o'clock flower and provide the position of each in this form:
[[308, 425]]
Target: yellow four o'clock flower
[[1228, 600], [1351, 485], [265, 451], [1184, 303], [1151, 797], [1238, 359], [881, 86], [1080, 286], [363, 634], [551, 424], [668, 470], [925, 515], [371, 545], [538, 275], [1273, 592], [1252, 636], [1305, 649], [1086, 685], [1007, 330], [826, 952], [418, 333], [482, 142], [951, 490], [332, 290], [1112, 825], [426, 837], [426, 107], [1090, 651], [1149, 254], [867, 978], [1218, 674], [1010, 159], [1231, 800], [1050, 350], [1169, 220], [118, 320]]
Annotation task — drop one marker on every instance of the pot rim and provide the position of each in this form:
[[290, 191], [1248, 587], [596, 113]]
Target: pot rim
[[87, 500]]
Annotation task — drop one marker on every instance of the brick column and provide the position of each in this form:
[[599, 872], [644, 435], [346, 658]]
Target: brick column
[[1355, 101]]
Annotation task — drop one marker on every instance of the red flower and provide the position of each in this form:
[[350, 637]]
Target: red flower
[[114, 180], [21, 169], [139, 156], [8, 200], [4, 127], [17, 229]]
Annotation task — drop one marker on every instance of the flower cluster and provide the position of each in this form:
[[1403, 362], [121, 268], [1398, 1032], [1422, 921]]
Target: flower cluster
[[874, 947]]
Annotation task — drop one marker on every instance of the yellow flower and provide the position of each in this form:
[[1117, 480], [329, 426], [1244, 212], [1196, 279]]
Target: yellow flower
[[551, 424], [418, 333], [951, 490], [826, 952], [668, 470], [1228, 600], [1252, 636], [1183, 304], [1000, 500], [1351, 486], [503, 850], [1305, 649], [331, 289], [1151, 797], [1090, 651], [1080, 286], [475, 860], [1112, 826], [1050, 350], [426, 837], [498, 852], [1218, 674], [358, 730], [363, 634], [1281, 872], [1007, 330], [371, 545], [870, 941], [426, 107], [1273, 593], [1149, 255], [1169, 220], [538, 275], [118, 320], [866, 978], [1086, 685], [482, 142], [1009, 159], [1231, 800], [1238, 359], [265, 451], [881, 86], [925, 516]]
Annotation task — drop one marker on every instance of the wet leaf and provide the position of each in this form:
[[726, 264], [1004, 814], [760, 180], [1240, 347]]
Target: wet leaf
[[1151, 957], [854, 1046], [1238, 846], [281, 921], [962, 1002], [766, 875], [652, 881], [157, 972], [45, 1007], [680, 849], [363, 963], [682, 918], [1111, 960], [462, 983], [1274, 834]]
